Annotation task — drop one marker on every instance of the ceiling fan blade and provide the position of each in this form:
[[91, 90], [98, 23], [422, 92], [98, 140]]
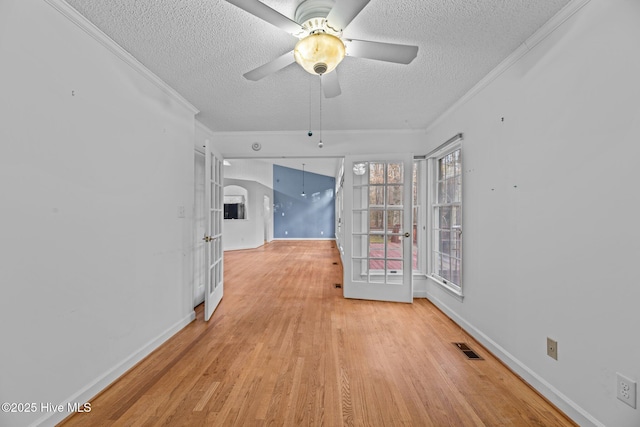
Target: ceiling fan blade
[[400, 53], [344, 11], [268, 14], [270, 67], [330, 84]]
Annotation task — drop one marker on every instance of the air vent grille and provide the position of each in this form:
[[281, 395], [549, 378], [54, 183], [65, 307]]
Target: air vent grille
[[464, 348]]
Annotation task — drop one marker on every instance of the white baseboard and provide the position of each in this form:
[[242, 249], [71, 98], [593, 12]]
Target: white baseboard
[[92, 389], [562, 402], [422, 293], [303, 238]]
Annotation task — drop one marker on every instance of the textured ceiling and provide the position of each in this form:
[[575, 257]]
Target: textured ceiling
[[202, 48]]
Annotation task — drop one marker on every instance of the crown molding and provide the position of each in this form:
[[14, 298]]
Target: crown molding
[[324, 132], [542, 33], [204, 128], [83, 23]]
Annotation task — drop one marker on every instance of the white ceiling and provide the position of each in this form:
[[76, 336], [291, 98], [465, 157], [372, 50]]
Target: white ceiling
[[201, 48]]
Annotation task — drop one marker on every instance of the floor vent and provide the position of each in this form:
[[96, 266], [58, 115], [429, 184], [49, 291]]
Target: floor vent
[[467, 351], [338, 285]]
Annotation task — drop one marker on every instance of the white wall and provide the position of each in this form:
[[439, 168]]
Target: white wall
[[247, 233], [551, 212], [250, 170], [95, 159], [257, 177]]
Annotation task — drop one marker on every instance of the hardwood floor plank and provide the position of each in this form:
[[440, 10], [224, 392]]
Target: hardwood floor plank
[[204, 400], [284, 348]]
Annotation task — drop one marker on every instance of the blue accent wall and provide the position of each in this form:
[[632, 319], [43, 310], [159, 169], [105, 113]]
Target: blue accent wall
[[298, 217]]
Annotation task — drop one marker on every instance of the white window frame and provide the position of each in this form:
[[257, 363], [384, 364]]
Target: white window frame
[[421, 216], [455, 289]]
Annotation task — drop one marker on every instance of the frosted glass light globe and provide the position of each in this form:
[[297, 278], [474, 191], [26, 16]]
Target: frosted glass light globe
[[319, 53]]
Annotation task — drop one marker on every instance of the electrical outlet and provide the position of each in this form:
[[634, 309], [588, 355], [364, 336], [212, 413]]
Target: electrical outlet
[[552, 348], [626, 390]]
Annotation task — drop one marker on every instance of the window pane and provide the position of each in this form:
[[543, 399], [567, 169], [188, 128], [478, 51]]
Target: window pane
[[217, 276], [445, 268], [437, 262], [376, 221], [456, 273], [395, 173], [457, 163], [442, 192], [415, 246], [456, 216], [376, 173], [448, 173], [394, 221], [376, 196], [217, 223], [415, 183], [394, 247], [394, 267], [444, 217], [376, 246], [456, 244], [451, 190], [457, 191], [394, 195], [444, 242]]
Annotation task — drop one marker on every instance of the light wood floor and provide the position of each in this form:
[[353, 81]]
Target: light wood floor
[[285, 349]]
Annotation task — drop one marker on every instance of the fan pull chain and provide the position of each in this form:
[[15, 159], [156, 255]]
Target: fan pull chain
[[310, 133], [320, 144]]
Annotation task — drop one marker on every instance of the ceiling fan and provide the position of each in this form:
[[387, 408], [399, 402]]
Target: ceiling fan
[[319, 25]]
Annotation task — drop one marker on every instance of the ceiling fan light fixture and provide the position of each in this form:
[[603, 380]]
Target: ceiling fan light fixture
[[319, 53]]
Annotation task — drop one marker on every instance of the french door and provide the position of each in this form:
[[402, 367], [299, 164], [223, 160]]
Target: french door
[[213, 235], [378, 227]]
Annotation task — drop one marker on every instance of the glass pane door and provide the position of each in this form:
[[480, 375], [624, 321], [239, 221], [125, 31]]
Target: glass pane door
[[213, 237], [379, 260]]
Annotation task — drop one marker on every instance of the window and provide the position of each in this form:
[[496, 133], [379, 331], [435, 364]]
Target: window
[[234, 210], [235, 202], [446, 220], [418, 222]]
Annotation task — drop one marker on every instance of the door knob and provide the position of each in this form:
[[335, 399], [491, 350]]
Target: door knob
[[407, 234]]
